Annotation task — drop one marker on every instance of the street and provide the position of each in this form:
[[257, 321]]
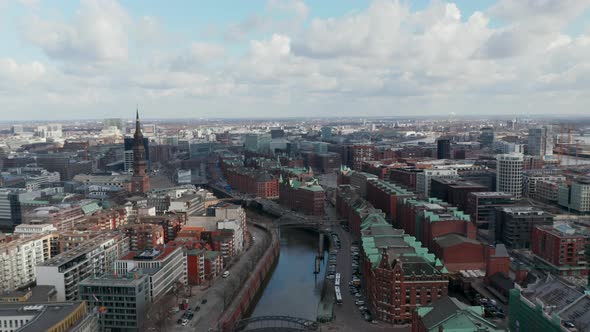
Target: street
[[348, 316], [208, 315]]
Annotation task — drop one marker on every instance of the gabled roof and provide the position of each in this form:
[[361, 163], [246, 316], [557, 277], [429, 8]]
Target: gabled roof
[[451, 314], [453, 239]]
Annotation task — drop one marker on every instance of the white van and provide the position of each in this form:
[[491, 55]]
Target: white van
[[225, 274]]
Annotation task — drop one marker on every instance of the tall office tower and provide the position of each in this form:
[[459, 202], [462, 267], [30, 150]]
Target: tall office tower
[[487, 136], [443, 148], [140, 182], [509, 173], [540, 141]]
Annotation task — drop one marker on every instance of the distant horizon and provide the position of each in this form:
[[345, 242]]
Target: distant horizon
[[498, 117]]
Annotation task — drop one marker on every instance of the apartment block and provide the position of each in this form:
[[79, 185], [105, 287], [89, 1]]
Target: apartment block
[[19, 257], [94, 257], [164, 266]]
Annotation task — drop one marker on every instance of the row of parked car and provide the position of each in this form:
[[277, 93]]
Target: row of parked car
[[355, 283], [189, 314], [336, 240], [491, 308]]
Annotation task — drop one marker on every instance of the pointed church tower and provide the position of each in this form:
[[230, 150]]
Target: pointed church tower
[[140, 182]]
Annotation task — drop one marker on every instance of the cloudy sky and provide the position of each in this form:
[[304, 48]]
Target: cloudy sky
[[63, 59]]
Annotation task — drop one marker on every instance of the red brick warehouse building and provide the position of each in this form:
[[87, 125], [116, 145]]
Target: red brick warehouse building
[[433, 218], [400, 275], [308, 197], [252, 181], [387, 197]]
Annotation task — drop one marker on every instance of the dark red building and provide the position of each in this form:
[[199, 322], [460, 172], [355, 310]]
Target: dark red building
[[454, 191], [356, 154], [144, 236], [387, 197], [562, 247], [404, 176], [308, 197], [171, 224], [352, 207], [252, 181], [400, 276], [429, 219]]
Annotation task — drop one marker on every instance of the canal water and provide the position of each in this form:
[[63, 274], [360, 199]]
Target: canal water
[[293, 289]]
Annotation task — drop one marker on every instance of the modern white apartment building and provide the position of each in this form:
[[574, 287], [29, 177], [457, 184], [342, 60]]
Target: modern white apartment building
[[18, 259], [164, 266], [575, 196], [91, 258], [509, 173]]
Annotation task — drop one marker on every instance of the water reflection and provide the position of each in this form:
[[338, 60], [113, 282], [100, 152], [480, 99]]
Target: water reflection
[[293, 290]]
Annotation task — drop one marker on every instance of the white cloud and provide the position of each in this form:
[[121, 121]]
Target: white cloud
[[98, 33], [12, 72], [365, 62], [298, 7]]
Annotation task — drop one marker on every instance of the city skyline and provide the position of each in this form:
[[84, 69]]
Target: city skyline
[[95, 59]]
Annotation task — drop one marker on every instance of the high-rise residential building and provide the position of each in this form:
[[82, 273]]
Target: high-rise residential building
[[540, 141], [514, 225], [19, 257], [575, 196], [509, 173], [94, 257], [140, 182], [487, 137], [124, 299], [443, 148]]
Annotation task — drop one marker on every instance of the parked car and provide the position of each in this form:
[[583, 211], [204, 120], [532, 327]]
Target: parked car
[[359, 302], [203, 301]]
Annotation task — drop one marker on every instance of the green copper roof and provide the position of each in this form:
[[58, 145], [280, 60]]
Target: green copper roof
[[89, 209], [374, 228]]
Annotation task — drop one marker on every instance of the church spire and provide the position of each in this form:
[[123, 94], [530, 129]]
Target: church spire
[[138, 133]]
